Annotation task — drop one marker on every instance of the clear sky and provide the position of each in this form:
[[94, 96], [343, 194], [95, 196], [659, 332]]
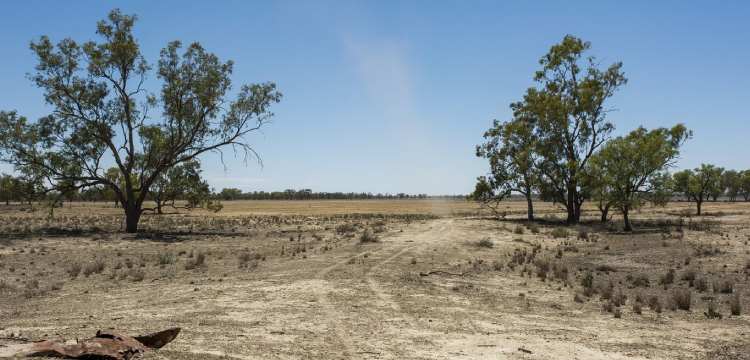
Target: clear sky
[[392, 96]]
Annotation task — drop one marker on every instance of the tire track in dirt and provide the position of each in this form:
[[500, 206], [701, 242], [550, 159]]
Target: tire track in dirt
[[333, 316], [421, 240]]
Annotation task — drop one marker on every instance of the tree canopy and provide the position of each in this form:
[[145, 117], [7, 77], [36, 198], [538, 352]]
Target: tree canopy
[[103, 116], [630, 167]]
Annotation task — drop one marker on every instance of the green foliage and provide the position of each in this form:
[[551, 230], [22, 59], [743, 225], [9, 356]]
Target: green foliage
[[569, 108], [509, 147], [698, 184], [103, 118], [182, 181], [628, 170]]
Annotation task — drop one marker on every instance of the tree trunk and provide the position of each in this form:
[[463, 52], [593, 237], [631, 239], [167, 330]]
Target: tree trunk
[[625, 217], [571, 206], [530, 207], [132, 216], [605, 212], [699, 203]]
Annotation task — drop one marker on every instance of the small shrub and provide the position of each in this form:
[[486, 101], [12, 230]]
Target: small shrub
[[655, 304], [617, 313], [198, 262], [95, 267], [73, 270], [588, 280], [712, 312], [681, 298], [136, 275], [559, 233], [485, 243], [166, 258], [542, 268], [735, 305], [247, 260], [701, 284], [689, 275], [605, 268], [640, 280], [345, 228], [534, 228], [368, 237], [518, 230], [637, 308], [724, 286], [619, 298], [497, 265], [667, 278]]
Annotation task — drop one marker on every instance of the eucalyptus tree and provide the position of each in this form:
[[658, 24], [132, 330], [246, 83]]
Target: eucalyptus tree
[[698, 184], [181, 182], [631, 166], [103, 116], [7, 188], [731, 183], [569, 107], [509, 147]]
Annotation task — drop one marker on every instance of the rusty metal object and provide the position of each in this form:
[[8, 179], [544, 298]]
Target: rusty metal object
[[106, 345]]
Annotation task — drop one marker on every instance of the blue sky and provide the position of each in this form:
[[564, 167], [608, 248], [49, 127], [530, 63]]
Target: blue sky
[[392, 96]]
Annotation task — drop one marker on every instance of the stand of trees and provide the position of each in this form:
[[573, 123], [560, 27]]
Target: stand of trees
[[557, 146], [106, 131]]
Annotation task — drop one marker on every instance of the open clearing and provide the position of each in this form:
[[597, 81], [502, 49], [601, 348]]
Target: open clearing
[[294, 280]]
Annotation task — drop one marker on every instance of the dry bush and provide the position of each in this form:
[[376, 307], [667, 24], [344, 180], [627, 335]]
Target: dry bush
[[654, 303], [497, 265], [198, 262], [690, 275], [735, 305], [166, 258], [724, 286], [345, 228], [701, 284], [534, 228], [559, 233], [248, 260], [485, 243], [518, 230], [681, 298], [368, 237], [711, 311], [668, 278], [639, 280], [73, 270], [542, 268], [95, 267], [637, 308], [135, 275]]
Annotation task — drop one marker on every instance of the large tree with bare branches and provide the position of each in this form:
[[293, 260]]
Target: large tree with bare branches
[[102, 115]]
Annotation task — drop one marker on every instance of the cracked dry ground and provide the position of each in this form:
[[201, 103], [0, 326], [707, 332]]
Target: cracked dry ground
[[353, 301]]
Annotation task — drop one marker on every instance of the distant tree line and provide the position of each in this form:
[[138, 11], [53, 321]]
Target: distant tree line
[[308, 194]]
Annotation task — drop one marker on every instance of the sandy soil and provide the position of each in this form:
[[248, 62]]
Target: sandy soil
[[308, 288]]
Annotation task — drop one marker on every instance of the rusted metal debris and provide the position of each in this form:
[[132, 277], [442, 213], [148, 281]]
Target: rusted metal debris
[[106, 345]]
